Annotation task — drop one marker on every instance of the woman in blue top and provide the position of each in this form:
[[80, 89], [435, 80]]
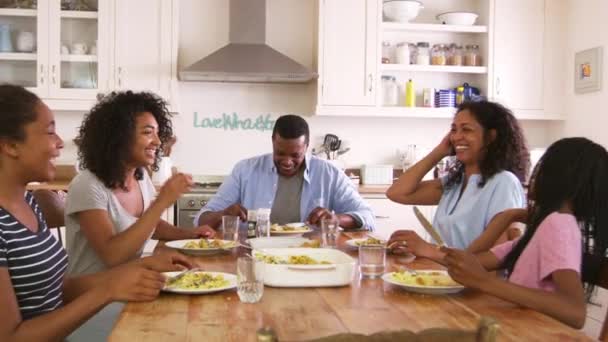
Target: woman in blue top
[[492, 161]]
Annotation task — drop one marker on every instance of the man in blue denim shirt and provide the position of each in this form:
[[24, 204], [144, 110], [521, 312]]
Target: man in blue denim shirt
[[296, 186]]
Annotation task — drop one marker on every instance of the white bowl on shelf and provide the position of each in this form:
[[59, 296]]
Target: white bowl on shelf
[[458, 18], [401, 10]]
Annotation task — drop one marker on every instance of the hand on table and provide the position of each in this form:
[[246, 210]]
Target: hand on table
[[203, 232], [317, 214], [410, 241], [464, 267]]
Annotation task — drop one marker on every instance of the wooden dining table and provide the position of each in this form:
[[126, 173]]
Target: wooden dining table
[[366, 306]]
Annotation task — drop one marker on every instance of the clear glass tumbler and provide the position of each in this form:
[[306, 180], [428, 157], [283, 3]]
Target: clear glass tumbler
[[372, 260], [329, 231], [249, 279], [230, 228]]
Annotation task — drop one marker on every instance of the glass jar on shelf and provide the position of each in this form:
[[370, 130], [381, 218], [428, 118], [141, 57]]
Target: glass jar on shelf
[[422, 55], [455, 55], [402, 53], [386, 52], [390, 91], [438, 55], [472, 56]]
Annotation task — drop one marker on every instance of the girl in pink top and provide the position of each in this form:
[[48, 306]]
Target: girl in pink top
[[567, 218]]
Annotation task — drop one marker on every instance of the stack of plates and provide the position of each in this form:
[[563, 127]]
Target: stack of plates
[[445, 98]]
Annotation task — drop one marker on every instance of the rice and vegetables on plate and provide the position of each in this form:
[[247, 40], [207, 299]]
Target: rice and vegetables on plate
[[432, 279], [198, 281], [209, 244], [291, 260]]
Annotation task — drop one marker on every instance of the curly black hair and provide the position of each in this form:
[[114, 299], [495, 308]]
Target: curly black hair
[[508, 151], [108, 131]]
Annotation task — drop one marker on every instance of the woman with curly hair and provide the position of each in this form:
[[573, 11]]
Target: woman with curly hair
[[111, 209], [474, 198], [37, 301]]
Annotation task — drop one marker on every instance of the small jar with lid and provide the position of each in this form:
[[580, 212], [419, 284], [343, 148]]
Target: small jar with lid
[[402, 53], [472, 56], [438, 55], [390, 91], [386, 52], [422, 55], [455, 54]]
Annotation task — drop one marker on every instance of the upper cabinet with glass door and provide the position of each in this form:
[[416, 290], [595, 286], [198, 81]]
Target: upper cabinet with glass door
[[23, 44], [77, 52], [56, 48]]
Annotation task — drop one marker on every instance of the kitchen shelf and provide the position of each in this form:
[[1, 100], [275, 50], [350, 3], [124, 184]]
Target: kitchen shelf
[[390, 27], [18, 56], [18, 12], [79, 58], [79, 14], [434, 68]]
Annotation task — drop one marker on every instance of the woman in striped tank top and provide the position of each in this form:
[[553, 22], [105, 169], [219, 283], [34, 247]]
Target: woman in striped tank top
[[37, 302]]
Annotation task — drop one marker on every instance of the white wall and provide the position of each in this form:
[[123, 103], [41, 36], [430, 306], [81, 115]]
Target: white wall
[[587, 113], [291, 29]]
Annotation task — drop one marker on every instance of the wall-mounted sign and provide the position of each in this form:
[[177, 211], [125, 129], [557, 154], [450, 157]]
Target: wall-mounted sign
[[233, 122]]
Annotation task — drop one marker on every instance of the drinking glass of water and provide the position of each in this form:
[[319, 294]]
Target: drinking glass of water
[[230, 228], [372, 260], [329, 231], [249, 279]]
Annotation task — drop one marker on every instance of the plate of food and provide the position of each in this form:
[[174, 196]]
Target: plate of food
[[292, 229], [368, 241], [202, 246], [198, 282], [424, 281]]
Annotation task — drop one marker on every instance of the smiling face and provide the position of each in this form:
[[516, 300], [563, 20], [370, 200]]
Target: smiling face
[[467, 138], [36, 154], [146, 141], [288, 154]]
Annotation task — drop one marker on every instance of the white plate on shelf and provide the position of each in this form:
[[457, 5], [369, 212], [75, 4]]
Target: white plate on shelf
[[179, 245], [424, 289], [228, 276]]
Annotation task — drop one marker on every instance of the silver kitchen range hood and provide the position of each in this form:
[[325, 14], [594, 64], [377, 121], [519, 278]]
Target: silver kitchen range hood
[[247, 58]]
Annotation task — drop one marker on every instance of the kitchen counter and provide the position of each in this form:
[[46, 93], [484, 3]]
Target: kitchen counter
[[373, 189]]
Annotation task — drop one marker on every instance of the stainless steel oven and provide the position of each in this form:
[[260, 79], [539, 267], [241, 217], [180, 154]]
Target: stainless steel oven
[[190, 203]]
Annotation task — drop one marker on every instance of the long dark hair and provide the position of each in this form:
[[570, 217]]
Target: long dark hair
[[507, 151], [17, 109], [107, 133], [573, 171]]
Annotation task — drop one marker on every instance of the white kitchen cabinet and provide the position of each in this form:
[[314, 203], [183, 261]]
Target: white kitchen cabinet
[[348, 51], [391, 216], [145, 54], [521, 46], [68, 65], [518, 36]]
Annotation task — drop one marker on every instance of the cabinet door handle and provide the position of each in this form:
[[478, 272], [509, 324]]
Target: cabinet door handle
[[370, 79], [119, 77], [41, 74], [382, 217], [53, 74], [497, 86]]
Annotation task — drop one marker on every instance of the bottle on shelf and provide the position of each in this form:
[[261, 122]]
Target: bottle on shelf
[[410, 94], [402, 53], [390, 91], [422, 55], [472, 56], [386, 52]]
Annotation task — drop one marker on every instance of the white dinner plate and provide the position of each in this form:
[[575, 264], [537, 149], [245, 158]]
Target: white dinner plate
[[179, 245], [433, 290], [228, 276]]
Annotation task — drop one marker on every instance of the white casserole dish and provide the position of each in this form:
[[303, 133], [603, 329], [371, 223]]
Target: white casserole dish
[[458, 18], [339, 273], [276, 242]]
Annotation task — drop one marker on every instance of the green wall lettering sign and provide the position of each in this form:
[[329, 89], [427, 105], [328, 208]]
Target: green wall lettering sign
[[233, 122]]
